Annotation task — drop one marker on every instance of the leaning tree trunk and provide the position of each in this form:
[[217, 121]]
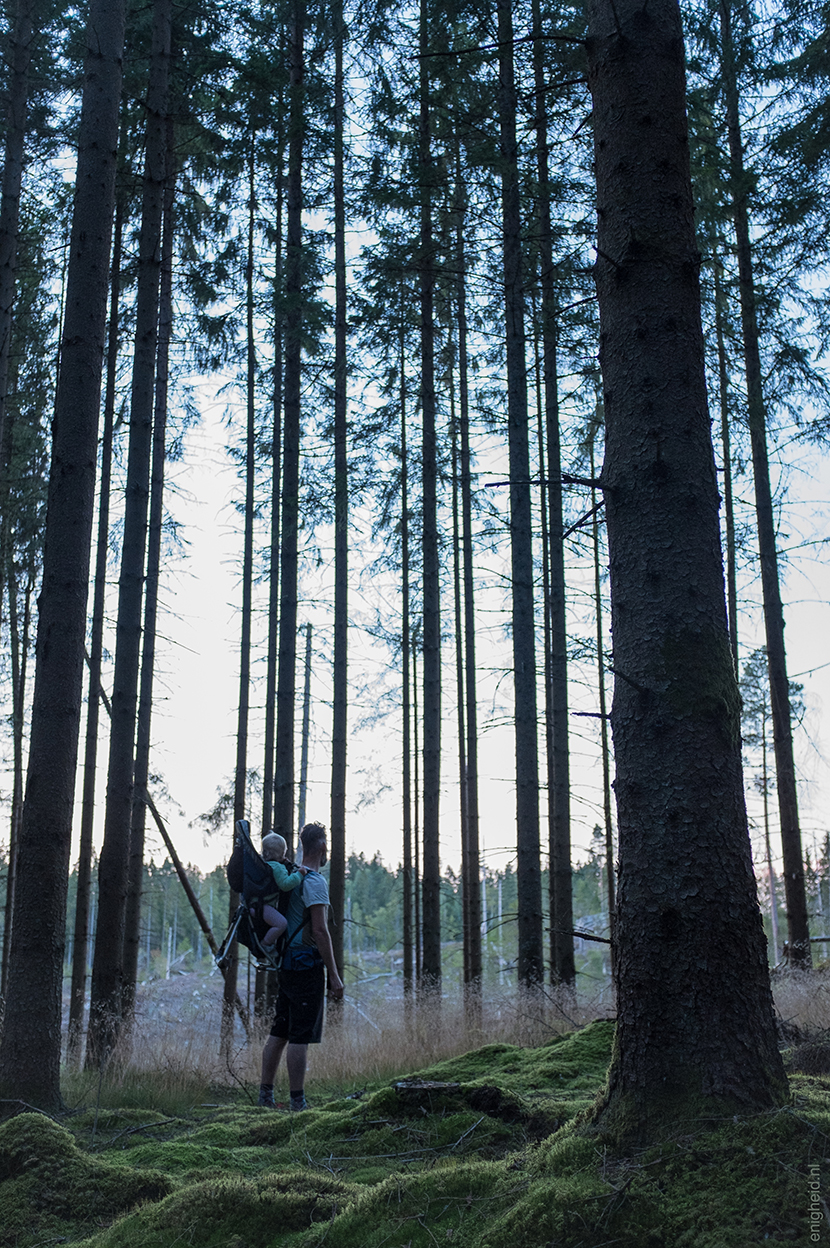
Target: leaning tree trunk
[[695, 1030], [799, 931], [528, 872], [80, 939], [431, 883], [337, 830], [31, 1043], [107, 966]]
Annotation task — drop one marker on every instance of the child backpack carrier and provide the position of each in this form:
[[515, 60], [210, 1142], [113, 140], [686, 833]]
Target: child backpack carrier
[[250, 876]]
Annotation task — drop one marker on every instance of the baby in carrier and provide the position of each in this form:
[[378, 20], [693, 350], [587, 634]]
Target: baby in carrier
[[274, 851]]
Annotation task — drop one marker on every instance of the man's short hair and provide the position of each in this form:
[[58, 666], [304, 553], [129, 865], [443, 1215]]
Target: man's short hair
[[313, 837]]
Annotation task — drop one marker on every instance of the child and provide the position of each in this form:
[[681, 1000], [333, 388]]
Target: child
[[274, 850]]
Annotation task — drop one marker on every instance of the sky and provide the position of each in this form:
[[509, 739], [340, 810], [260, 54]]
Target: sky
[[197, 684]]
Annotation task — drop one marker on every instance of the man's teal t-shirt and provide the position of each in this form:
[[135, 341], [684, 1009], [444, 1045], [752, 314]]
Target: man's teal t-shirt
[[314, 892]]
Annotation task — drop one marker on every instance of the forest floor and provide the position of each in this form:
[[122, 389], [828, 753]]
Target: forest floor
[[480, 1150]]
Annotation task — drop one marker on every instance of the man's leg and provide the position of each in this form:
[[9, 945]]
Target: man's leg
[[296, 1060], [271, 1054]]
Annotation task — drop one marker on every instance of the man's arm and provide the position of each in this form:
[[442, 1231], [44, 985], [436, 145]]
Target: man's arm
[[322, 939]]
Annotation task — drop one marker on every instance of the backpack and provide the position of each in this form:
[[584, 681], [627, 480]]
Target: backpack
[[249, 875]]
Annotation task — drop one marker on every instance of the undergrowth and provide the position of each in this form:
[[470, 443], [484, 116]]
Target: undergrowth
[[487, 1149]]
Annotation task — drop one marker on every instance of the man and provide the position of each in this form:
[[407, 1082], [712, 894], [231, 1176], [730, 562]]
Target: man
[[309, 955]]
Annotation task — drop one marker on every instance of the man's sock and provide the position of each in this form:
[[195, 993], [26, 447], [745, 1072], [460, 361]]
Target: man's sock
[[297, 1094], [266, 1087]]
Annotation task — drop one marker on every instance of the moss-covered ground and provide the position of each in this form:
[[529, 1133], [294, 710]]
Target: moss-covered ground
[[483, 1151]]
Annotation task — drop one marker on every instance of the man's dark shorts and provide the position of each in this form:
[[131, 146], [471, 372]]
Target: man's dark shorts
[[300, 1005]]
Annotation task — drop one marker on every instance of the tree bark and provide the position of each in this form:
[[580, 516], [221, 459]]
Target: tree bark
[[31, 1043], [276, 486], [695, 1032], [562, 969], [337, 829], [135, 873], [431, 881], [470, 778], [797, 922], [108, 964], [287, 677], [80, 938], [20, 52], [241, 767], [528, 871], [728, 505], [406, 677]]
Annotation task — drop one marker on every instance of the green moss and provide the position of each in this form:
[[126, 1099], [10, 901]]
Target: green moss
[[50, 1189], [232, 1212], [486, 1163]]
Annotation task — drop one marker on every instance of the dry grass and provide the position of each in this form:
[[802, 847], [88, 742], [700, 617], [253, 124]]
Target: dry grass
[[802, 999], [171, 1058]]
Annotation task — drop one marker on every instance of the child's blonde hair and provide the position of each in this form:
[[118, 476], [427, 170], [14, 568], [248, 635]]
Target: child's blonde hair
[[274, 847]]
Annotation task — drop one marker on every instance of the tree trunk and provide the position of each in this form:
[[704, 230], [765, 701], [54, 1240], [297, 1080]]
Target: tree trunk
[[431, 883], [337, 830], [529, 875], [799, 931], [108, 965], [276, 484], [20, 51], [31, 1043], [306, 732], [562, 969], [406, 648], [286, 683], [135, 875], [470, 778], [80, 938], [241, 768], [728, 504], [695, 1031], [610, 869]]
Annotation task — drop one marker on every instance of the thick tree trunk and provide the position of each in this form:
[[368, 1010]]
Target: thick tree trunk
[[107, 967], [799, 931], [31, 1043], [431, 883], [695, 1032], [20, 52], [337, 829], [528, 872], [287, 677], [96, 647]]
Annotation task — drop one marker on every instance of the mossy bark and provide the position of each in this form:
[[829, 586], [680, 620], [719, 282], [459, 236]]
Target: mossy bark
[[695, 1019]]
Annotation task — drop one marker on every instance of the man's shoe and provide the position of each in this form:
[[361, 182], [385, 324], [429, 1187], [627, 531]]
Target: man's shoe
[[267, 1100], [298, 1104]]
